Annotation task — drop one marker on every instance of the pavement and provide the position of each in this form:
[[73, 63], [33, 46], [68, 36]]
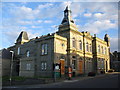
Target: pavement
[[74, 79]]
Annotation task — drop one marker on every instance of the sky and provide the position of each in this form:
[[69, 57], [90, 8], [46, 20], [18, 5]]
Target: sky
[[41, 18]]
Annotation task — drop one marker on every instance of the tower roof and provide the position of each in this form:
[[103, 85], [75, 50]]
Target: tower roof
[[67, 20], [67, 8], [22, 37]]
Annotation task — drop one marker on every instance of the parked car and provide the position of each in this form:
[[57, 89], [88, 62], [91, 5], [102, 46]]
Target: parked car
[[91, 74], [111, 70]]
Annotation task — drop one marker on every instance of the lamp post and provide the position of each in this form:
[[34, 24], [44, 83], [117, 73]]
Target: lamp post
[[11, 67]]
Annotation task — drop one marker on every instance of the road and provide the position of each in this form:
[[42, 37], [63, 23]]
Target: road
[[102, 81]]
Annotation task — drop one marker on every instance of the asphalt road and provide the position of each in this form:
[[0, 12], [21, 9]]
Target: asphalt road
[[102, 81]]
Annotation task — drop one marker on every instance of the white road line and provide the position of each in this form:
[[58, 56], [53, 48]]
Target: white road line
[[70, 80]]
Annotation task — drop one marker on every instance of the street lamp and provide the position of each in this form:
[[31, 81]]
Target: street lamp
[[11, 67]]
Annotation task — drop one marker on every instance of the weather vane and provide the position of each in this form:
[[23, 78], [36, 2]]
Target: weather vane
[[68, 3]]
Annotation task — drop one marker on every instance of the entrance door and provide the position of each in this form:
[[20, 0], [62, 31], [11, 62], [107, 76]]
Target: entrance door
[[106, 67], [62, 67], [81, 67]]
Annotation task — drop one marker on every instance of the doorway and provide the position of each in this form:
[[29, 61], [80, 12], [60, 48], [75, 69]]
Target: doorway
[[106, 67], [81, 67]]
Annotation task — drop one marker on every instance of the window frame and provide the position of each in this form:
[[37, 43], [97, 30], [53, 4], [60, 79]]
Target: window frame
[[18, 51], [87, 47], [80, 45], [73, 43], [43, 65], [90, 48], [28, 66], [28, 53], [98, 48], [44, 49]]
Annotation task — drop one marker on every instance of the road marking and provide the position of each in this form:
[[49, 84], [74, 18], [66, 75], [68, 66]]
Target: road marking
[[70, 80]]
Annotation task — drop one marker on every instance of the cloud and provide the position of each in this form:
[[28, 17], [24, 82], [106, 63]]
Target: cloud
[[87, 14], [114, 44], [24, 22], [98, 15], [47, 21], [35, 26], [77, 9], [98, 26], [23, 12], [39, 21], [32, 35], [42, 6]]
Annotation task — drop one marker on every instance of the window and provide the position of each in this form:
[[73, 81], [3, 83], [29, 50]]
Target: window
[[90, 48], [80, 44], [105, 51], [102, 63], [28, 53], [73, 64], [87, 48], [99, 48], [44, 49], [73, 42], [28, 66], [63, 45], [102, 50], [18, 52], [43, 65]]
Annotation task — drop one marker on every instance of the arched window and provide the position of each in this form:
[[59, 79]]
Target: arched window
[[28, 53], [80, 45], [73, 42], [87, 47]]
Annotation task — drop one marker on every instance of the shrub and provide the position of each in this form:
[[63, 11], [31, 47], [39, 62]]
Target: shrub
[[91, 74]]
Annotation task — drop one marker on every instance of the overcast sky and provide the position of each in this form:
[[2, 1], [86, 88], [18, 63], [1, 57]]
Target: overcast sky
[[41, 18]]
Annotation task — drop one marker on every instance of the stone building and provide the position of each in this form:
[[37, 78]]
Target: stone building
[[5, 63], [66, 47], [115, 61]]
